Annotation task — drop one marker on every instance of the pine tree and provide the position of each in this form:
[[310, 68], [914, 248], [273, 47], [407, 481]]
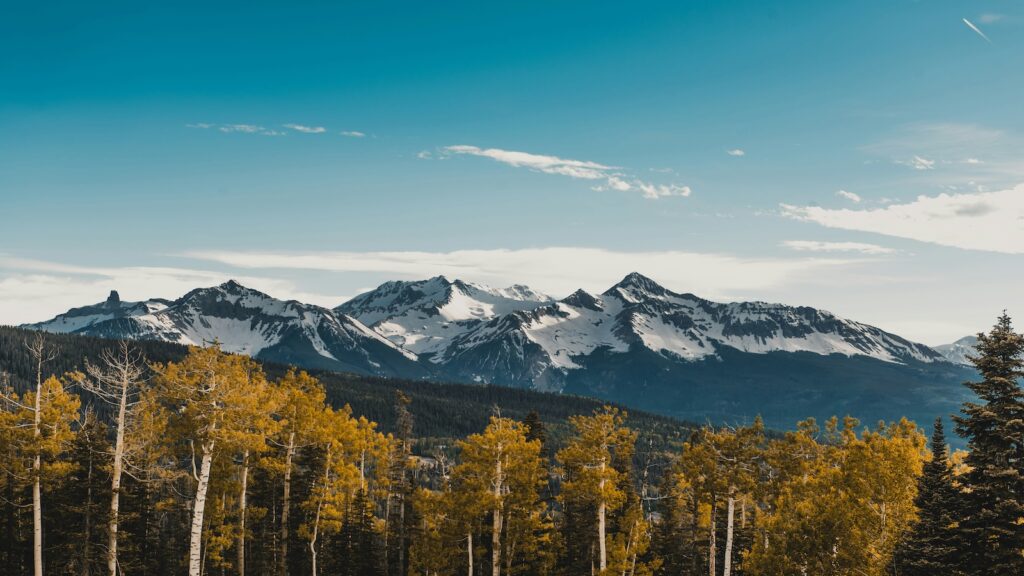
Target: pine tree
[[928, 549], [991, 534]]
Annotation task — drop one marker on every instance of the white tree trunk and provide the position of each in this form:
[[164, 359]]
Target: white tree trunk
[[286, 497], [195, 548], [37, 464], [319, 507], [496, 524], [727, 569], [241, 513], [712, 544], [469, 551], [601, 513], [115, 482]]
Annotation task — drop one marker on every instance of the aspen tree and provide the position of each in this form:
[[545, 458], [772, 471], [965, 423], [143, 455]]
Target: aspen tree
[[586, 463], [116, 381]]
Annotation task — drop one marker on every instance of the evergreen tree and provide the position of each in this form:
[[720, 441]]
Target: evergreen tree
[[990, 527], [928, 550]]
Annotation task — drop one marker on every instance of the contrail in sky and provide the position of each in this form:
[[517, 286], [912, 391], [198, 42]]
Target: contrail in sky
[[976, 29]]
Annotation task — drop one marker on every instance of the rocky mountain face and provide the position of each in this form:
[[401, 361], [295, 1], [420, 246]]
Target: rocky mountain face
[[424, 316], [637, 343], [245, 321]]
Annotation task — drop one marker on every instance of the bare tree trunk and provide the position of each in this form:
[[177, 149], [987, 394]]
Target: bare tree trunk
[[401, 530], [601, 513], [195, 548], [469, 551], [712, 545], [241, 513], [115, 482], [496, 524], [727, 569], [286, 502], [319, 507], [37, 464]]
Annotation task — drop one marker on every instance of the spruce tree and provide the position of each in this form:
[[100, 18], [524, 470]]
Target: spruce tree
[[929, 547], [991, 534]]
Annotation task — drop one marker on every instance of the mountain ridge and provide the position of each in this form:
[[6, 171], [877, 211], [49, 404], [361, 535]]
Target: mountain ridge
[[637, 343]]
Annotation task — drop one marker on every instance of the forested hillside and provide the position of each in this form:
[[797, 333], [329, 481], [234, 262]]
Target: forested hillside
[[440, 410]]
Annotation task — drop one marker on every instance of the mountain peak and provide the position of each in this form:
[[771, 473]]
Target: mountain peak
[[114, 300], [637, 282], [231, 285]]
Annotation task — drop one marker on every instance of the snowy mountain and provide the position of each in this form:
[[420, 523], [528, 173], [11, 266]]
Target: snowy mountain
[[550, 341], [958, 351], [425, 316], [637, 343], [248, 322]]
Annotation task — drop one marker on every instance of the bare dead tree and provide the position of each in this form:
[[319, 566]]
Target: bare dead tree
[[116, 381]]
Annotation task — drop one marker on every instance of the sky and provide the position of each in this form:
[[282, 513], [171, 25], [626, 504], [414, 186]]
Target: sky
[[861, 156]]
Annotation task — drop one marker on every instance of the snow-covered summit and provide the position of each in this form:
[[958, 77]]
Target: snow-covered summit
[[638, 313], [424, 316], [243, 321], [957, 352]]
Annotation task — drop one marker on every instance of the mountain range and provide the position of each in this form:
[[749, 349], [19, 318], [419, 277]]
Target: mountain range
[[637, 343]]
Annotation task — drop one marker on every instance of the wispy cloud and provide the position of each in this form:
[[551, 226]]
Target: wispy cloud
[[851, 196], [306, 129], [990, 18], [976, 29], [237, 128], [736, 152], [611, 177], [954, 154], [918, 163], [818, 246], [989, 221], [555, 270], [353, 133]]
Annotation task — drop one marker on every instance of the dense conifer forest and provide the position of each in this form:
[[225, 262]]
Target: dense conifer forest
[[145, 458]]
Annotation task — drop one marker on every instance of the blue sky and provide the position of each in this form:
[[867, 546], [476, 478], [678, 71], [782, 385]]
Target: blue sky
[[859, 156]]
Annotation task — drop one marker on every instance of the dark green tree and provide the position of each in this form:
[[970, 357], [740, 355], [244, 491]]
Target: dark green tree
[[929, 548], [359, 554], [991, 534]]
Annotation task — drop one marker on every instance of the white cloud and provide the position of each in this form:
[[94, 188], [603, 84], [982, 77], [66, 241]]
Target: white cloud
[[989, 221], [817, 246], [918, 163], [736, 152], [424, 155], [353, 133], [35, 290], [239, 128], [851, 196], [244, 128], [611, 176], [306, 129], [555, 270], [989, 18]]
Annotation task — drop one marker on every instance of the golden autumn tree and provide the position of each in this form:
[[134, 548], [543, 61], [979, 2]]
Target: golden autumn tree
[[40, 429], [587, 466], [840, 509], [501, 475], [209, 405]]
